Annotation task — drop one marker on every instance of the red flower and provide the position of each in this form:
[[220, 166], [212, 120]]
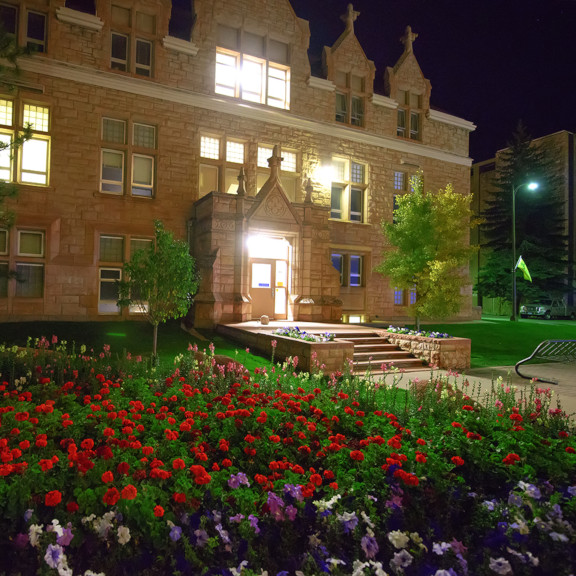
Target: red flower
[[357, 455], [421, 458], [46, 464], [457, 460], [111, 497], [516, 417], [87, 444], [178, 464], [511, 459], [316, 479], [570, 450], [72, 507], [147, 450], [226, 463], [274, 438], [468, 408], [108, 432], [129, 492], [158, 511], [179, 497], [123, 468], [107, 477], [53, 498]]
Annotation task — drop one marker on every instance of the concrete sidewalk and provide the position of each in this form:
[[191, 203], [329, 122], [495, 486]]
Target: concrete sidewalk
[[564, 392]]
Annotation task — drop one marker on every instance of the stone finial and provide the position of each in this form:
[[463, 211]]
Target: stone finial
[[350, 17], [241, 179], [408, 39], [275, 162], [309, 189]]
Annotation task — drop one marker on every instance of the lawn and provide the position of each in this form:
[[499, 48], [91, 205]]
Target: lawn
[[133, 337], [499, 342]]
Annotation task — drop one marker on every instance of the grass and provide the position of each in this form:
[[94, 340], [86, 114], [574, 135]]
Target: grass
[[499, 342], [133, 337]]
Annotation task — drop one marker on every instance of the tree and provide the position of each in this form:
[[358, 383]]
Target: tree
[[429, 249], [540, 236], [160, 280], [9, 54]]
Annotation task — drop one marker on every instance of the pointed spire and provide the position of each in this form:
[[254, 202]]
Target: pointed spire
[[350, 17], [309, 189], [241, 179], [274, 162], [408, 39]]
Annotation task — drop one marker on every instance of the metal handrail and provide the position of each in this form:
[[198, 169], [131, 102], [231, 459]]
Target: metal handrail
[[561, 351]]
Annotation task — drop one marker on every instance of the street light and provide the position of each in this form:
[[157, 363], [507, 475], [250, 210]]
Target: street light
[[530, 186]]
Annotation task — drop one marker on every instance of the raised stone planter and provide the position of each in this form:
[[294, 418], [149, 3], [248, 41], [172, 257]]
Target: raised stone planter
[[445, 353], [333, 355]]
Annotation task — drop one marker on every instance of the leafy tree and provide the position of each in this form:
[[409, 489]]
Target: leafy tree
[[160, 280], [429, 249], [540, 236], [9, 54]]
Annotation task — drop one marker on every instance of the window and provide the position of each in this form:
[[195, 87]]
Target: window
[[399, 180], [252, 67], [132, 41], [36, 31], [142, 151], [348, 193], [350, 267], [350, 98], [221, 161], [4, 267], [32, 158], [112, 255], [9, 18], [409, 123], [289, 173], [412, 296], [30, 272], [398, 297]]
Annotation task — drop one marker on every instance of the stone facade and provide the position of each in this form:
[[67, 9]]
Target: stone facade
[[127, 144]]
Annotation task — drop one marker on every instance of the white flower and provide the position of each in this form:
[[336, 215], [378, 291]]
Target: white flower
[[34, 533], [366, 519], [500, 566], [358, 568], [398, 539], [124, 535]]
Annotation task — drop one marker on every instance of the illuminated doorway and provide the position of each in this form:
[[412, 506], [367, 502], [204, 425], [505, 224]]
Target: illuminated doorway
[[269, 276]]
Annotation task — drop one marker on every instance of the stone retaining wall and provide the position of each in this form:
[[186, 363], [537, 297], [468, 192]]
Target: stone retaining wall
[[445, 353]]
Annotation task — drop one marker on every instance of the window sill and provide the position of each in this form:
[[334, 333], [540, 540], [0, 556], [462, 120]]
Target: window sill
[[349, 221]]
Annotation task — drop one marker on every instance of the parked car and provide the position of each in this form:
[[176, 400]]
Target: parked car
[[548, 308]]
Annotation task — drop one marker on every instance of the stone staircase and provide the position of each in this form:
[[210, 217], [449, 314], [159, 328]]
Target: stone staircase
[[371, 351]]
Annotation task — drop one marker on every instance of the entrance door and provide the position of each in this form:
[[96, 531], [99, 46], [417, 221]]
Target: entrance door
[[268, 287]]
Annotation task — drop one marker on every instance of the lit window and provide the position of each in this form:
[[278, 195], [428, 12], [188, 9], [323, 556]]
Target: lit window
[[264, 154], [36, 31], [355, 270], [235, 152], [251, 68], [399, 181], [398, 297], [289, 175], [289, 161], [6, 112], [348, 192], [350, 268], [220, 167], [112, 179], [413, 296], [338, 263], [142, 175], [5, 157]]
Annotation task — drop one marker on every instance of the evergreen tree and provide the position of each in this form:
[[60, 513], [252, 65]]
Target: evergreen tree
[[429, 249], [540, 236], [160, 280]]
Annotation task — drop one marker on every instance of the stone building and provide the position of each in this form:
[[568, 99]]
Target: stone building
[[561, 147], [206, 116]]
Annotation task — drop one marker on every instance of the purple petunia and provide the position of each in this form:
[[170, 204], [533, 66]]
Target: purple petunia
[[254, 523], [53, 555], [369, 545], [175, 533], [235, 481], [349, 521], [201, 537]]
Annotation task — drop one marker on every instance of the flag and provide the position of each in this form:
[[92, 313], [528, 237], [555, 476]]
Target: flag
[[522, 265]]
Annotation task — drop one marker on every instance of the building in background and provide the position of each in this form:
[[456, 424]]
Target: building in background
[[559, 147], [206, 115]]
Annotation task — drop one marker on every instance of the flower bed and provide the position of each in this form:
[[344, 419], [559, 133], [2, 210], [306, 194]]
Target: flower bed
[[107, 467], [441, 351]]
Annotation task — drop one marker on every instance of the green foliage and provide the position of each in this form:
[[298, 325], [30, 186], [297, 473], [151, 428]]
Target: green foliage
[[429, 249], [161, 280], [540, 237]]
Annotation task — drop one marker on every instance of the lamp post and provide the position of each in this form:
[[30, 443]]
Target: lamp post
[[530, 186]]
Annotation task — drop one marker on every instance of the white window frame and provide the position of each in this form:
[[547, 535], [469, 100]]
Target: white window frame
[[143, 68], [38, 44], [31, 254], [104, 182], [117, 63], [105, 306], [219, 163], [343, 184], [350, 99], [143, 189]]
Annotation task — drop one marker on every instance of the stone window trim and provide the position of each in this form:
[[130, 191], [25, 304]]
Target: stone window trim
[[29, 163], [22, 262], [409, 115], [348, 196], [133, 41], [350, 98], [221, 159], [128, 158], [350, 266]]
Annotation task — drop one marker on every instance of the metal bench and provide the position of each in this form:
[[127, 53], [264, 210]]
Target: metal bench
[[559, 351]]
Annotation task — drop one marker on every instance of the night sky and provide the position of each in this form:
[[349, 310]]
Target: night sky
[[492, 62]]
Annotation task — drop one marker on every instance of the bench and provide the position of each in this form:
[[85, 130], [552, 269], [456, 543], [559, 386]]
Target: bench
[[559, 351]]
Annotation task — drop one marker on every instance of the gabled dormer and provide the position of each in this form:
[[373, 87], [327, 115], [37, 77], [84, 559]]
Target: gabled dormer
[[406, 84], [347, 66]]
